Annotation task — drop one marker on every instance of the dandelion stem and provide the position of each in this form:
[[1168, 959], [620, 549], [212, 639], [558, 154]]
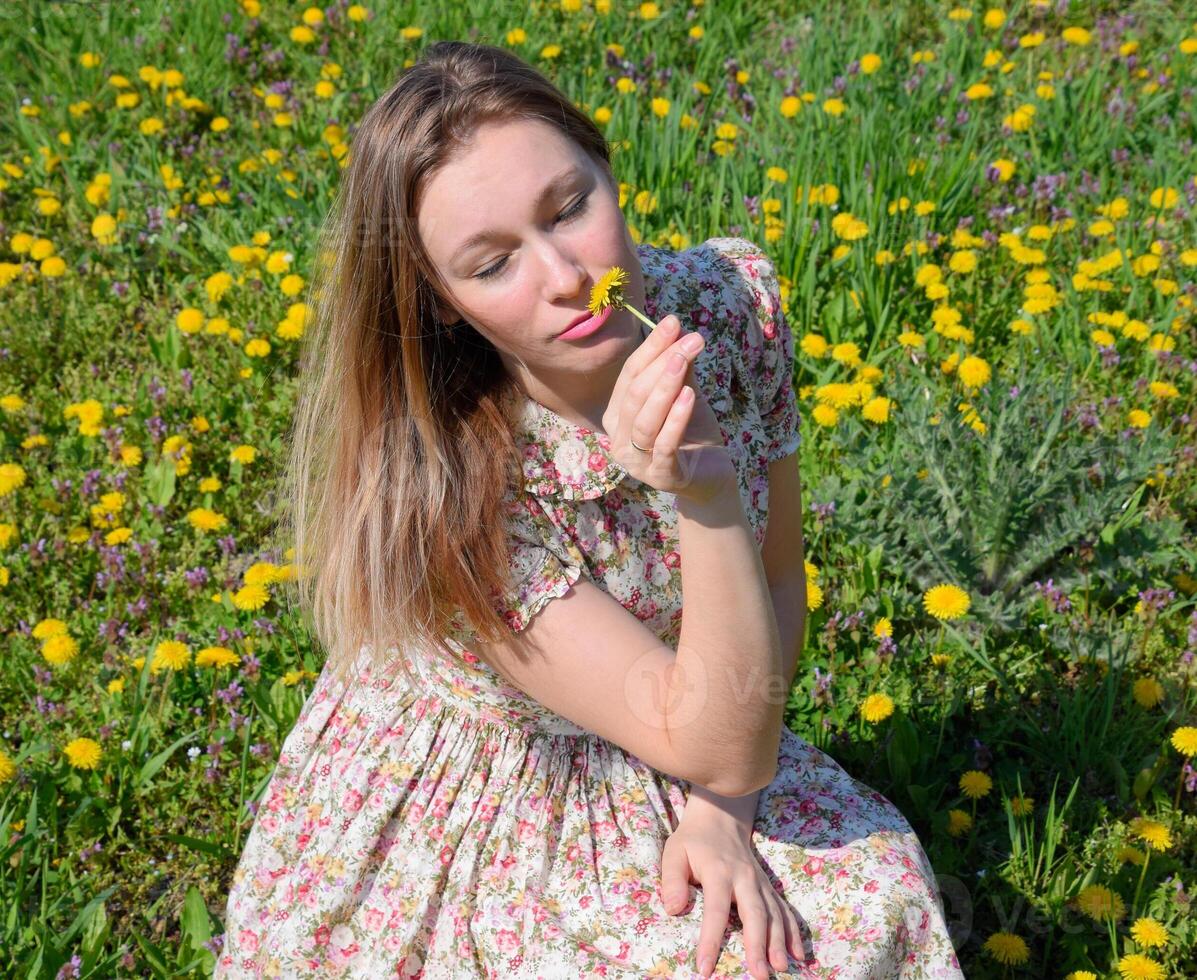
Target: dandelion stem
[[1142, 877], [635, 312]]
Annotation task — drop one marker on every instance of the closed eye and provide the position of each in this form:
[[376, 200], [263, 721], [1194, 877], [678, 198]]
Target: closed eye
[[571, 214]]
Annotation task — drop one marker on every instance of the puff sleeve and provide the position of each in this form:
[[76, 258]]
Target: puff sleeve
[[544, 565], [767, 348]]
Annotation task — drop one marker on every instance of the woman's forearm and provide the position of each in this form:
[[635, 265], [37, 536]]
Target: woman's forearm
[[789, 606], [729, 691]]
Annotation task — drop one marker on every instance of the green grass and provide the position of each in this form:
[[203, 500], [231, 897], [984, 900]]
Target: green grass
[[1061, 485]]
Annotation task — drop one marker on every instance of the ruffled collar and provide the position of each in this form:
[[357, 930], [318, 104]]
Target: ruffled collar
[[562, 459], [566, 460]]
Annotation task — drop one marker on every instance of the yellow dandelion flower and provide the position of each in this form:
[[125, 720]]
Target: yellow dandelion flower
[[814, 594], [83, 753], [1147, 692], [946, 602], [975, 784], [1152, 832], [608, 291], [216, 657], [170, 655], [1100, 903], [8, 768], [1129, 855], [973, 372], [813, 345], [59, 649], [1007, 948], [1021, 806], [1184, 740], [251, 597], [1139, 967], [960, 822], [1147, 932], [876, 708]]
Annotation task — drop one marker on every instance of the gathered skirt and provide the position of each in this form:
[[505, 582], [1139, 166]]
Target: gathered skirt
[[402, 835]]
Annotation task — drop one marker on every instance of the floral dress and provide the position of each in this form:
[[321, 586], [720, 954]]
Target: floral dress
[[465, 830]]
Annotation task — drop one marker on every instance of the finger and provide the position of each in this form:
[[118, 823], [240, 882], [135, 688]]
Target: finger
[[646, 363], [715, 916], [778, 934], [754, 915], [793, 933], [675, 879], [646, 424], [666, 332], [673, 430]]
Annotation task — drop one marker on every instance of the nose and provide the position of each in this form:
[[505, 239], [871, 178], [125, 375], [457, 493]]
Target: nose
[[563, 273]]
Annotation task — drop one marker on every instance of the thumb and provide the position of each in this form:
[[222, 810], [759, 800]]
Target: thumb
[[675, 880]]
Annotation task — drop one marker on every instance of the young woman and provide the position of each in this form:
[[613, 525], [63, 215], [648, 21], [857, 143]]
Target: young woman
[[513, 500]]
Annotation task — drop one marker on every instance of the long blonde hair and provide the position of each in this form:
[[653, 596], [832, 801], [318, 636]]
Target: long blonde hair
[[401, 450]]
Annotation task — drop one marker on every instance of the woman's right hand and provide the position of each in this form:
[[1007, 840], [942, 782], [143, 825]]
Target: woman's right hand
[[657, 402]]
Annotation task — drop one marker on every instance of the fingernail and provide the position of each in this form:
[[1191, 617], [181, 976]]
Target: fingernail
[[704, 966], [693, 342]]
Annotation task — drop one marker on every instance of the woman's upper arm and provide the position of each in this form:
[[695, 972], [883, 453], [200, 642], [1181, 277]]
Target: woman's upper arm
[[783, 551], [766, 347], [577, 651], [585, 657]]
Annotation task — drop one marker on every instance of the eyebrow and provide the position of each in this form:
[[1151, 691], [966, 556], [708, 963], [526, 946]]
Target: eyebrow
[[553, 186]]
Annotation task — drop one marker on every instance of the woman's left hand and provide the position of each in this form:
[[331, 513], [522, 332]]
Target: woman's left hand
[[717, 855]]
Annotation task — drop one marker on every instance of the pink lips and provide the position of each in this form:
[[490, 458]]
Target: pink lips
[[586, 327]]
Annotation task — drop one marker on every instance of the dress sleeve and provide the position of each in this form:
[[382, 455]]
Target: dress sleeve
[[543, 565], [767, 347]]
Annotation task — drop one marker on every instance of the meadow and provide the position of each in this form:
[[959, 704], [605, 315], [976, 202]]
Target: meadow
[[983, 221]]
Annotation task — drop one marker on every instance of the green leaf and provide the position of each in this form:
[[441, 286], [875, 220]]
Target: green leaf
[[160, 482], [154, 954], [95, 934], [902, 750], [195, 923], [152, 765]]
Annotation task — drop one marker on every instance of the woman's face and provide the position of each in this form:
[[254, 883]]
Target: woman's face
[[531, 277]]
